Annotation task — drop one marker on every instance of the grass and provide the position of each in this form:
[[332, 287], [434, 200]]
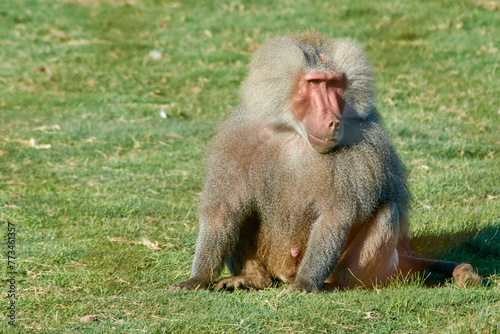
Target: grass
[[103, 191]]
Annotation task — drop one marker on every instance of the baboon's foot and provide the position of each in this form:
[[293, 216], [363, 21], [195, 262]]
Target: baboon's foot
[[242, 283], [465, 276]]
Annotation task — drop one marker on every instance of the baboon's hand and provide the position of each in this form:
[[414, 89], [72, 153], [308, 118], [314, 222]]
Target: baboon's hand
[[190, 284], [303, 287]]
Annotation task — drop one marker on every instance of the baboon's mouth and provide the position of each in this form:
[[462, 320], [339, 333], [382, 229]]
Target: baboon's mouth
[[322, 144], [323, 140]]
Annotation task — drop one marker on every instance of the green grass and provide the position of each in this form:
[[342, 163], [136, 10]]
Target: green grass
[[107, 215]]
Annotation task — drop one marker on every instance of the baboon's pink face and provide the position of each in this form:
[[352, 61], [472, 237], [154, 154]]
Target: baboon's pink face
[[318, 105]]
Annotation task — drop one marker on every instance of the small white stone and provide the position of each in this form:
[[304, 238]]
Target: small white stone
[[155, 54]]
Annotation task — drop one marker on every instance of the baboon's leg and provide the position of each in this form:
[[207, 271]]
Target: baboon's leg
[[437, 271], [371, 257]]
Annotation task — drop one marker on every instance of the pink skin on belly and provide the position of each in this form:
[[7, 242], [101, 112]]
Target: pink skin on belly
[[296, 253]]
